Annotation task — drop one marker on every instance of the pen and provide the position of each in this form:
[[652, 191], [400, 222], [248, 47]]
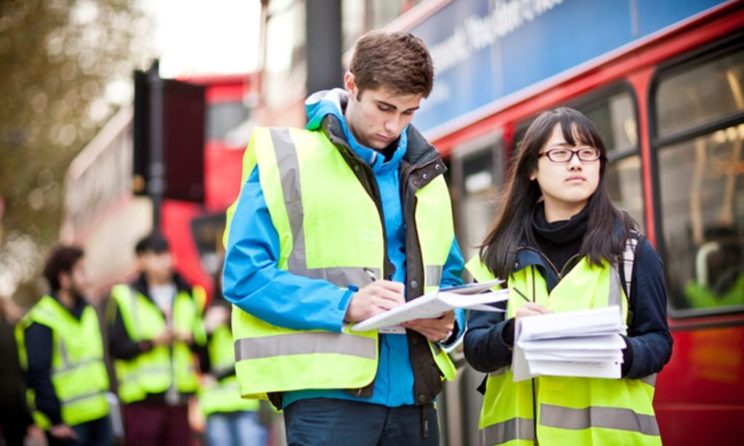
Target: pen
[[371, 274], [521, 294]]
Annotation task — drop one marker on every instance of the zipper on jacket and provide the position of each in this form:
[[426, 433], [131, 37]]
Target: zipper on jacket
[[560, 274]]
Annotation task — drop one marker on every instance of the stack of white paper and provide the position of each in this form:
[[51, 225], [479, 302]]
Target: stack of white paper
[[583, 343], [476, 296]]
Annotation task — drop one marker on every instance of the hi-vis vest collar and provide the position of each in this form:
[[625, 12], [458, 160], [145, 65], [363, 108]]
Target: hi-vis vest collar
[[560, 410], [326, 211]]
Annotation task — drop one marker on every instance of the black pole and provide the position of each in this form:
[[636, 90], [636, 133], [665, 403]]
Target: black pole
[[323, 32], [156, 167]]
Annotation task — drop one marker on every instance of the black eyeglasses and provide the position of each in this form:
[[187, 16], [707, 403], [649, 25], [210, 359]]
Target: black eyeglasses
[[564, 155]]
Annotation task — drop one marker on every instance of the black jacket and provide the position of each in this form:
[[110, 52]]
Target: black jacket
[[13, 404]]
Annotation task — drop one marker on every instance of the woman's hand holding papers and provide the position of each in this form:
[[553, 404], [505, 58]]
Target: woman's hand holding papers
[[435, 329], [375, 298]]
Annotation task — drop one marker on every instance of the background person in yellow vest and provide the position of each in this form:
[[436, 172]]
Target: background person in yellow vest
[[559, 242], [231, 420], [60, 346], [154, 327], [336, 223]]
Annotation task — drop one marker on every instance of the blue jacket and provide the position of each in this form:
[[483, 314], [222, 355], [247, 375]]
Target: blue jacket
[[251, 274], [488, 347]]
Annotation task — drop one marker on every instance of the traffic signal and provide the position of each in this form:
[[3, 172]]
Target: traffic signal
[[177, 166]]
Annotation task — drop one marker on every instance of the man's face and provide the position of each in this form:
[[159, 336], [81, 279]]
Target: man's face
[[76, 281], [377, 116], [157, 265]]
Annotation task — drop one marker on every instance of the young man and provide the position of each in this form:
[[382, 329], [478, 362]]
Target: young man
[[335, 223], [154, 327], [60, 347]]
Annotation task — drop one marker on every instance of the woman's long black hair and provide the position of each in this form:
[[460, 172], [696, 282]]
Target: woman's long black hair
[[608, 227]]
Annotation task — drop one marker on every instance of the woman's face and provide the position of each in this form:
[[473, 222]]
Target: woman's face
[[566, 186]]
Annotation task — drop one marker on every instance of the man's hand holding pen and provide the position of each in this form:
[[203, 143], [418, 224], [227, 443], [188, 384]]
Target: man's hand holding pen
[[375, 298]]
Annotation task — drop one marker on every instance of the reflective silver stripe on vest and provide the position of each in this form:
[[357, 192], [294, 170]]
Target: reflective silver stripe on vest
[[304, 343], [340, 276], [433, 275], [135, 313], [289, 173], [84, 396], [70, 367], [289, 168], [66, 363], [616, 295], [604, 417], [514, 429], [650, 380]]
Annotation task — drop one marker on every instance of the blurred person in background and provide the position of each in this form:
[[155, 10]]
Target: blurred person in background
[[340, 221], [61, 349], [15, 416], [154, 329], [231, 420]]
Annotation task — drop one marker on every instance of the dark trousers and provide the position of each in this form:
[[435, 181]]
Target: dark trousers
[[325, 421], [156, 424], [93, 433]]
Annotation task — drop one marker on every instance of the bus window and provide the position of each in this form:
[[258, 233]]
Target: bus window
[[699, 94], [615, 118], [207, 231], [222, 117], [701, 181], [478, 174]]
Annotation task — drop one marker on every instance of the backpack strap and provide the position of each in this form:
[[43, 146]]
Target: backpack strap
[[628, 262], [628, 268]]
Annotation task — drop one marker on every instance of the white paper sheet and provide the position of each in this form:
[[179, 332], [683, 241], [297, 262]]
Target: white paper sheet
[[474, 296], [584, 343]]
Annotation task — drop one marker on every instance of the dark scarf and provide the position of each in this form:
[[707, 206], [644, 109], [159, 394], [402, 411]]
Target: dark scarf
[[559, 240]]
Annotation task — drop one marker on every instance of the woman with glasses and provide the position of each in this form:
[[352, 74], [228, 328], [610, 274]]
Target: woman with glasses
[[559, 242]]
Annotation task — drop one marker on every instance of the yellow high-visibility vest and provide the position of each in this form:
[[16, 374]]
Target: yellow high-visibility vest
[[570, 410], [329, 228], [78, 372], [156, 370]]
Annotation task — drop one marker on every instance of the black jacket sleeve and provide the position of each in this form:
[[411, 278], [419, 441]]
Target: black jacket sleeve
[[39, 372], [488, 341], [121, 346], [649, 341], [202, 352]]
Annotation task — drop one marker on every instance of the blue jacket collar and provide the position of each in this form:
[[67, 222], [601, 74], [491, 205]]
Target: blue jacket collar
[[329, 105]]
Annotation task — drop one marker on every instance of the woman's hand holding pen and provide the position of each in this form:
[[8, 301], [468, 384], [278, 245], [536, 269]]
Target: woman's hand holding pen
[[531, 309], [377, 297]]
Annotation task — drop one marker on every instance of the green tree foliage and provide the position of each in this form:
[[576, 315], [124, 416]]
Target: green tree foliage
[[61, 62]]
